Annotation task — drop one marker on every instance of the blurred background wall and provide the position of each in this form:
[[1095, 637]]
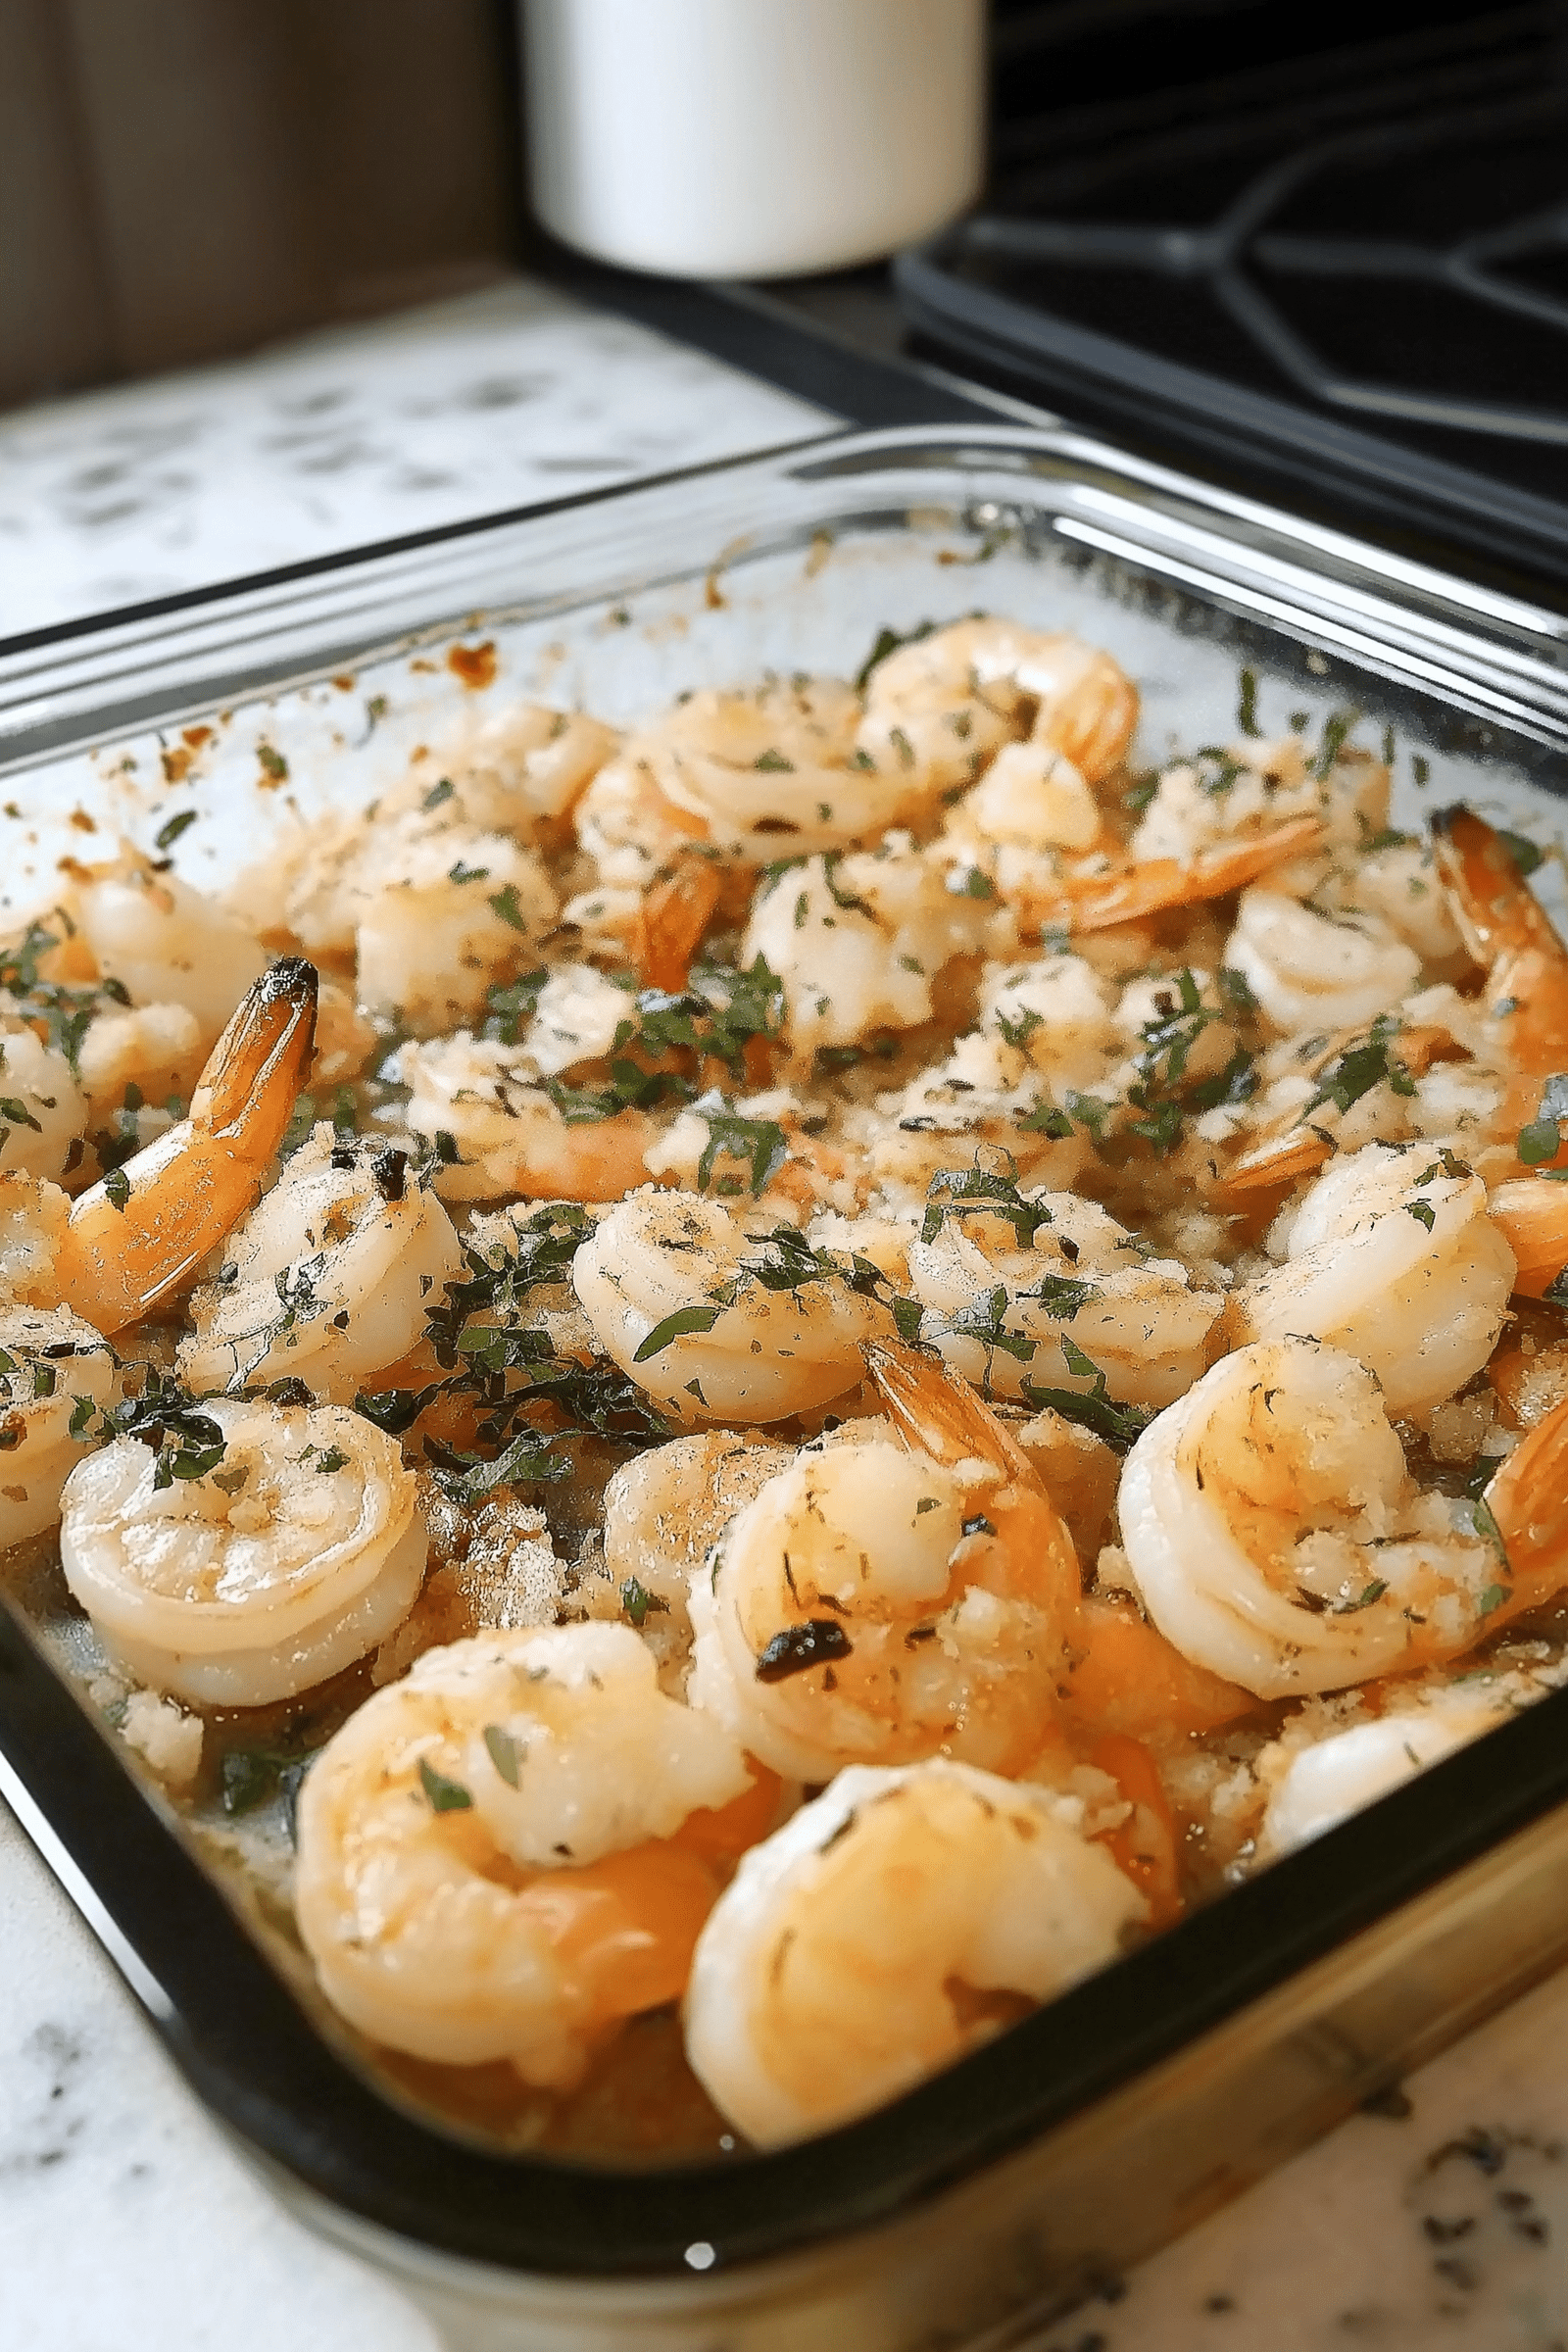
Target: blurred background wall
[[180, 179]]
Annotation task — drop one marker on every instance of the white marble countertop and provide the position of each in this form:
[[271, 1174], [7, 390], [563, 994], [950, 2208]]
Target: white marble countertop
[[126, 2222]]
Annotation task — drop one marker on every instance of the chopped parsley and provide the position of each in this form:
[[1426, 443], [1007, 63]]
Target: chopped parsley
[[1359, 1068], [444, 1795], [168, 834], [1095, 1410], [1541, 1139], [956, 1193]]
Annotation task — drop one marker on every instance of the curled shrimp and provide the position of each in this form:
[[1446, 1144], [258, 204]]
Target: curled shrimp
[[507, 1853], [56, 1376], [858, 944], [1103, 898], [500, 1132], [34, 1216], [1276, 1539], [1010, 1281], [143, 1231], [725, 1313], [1323, 1784], [1315, 971], [158, 940], [330, 1278], [1295, 1138], [43, 1109], [287, 1547], [879, 1602], [896, 1922], [1259, 783], [958, 693], [1393, 1258], [667, 1508], [777, 772]]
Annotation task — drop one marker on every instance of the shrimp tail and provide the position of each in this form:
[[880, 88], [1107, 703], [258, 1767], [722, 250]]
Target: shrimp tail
[[1492, 905], [936, 1413], [675, 913], [143, 1231], [253, 1075], [1101, 901], [1528, 1501]]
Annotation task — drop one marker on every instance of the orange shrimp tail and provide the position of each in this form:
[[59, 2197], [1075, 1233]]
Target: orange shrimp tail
[[624, 1929], [1101, 901], [1279, 1160], [936, 1413], [1506, 929], [1529, 1504], [142, 1234], [674, 914], [1531, 1215], [1127, 1679], [1146, 1846], [1494, 908], [252, 1078]]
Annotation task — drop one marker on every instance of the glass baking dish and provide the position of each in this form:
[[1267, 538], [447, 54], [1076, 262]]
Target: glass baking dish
[[976, 2208]]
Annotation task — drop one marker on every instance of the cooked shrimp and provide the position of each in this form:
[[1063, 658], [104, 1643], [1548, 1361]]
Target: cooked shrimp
[[1315, 972], [1393, 1258], [777, 772], [957, 694], [1055, 1014], [877, 1603], [672, 914], [518, 771], [330, 1278], [1030, 799], [979, 1099], [1276, 1539], [1528, 1501], [1102, 895], [32, 1224], [737, 1316], [506, 1135], [43, 1110], [859, 945], [1509, 933], [896, 1922], [1408, 1073], [448, 910], [161, 941], [276, 1546], [1322, 1784], [156, 1049], [144, 1231], [1125, 1679], [1003, 1275], [503, 1855], [1238, 791], [56, 1376], [667, 1508], [1532, 1215]]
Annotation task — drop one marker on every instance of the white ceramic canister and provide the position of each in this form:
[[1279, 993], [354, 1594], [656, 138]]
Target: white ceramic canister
[[752, 138]]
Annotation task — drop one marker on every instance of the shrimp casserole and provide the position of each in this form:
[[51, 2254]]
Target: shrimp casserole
[[721, 1403]]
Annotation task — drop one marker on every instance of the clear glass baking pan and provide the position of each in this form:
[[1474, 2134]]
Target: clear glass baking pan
[[975, 2210]]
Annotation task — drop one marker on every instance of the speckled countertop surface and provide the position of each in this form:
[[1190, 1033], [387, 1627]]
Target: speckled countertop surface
[[126, 2222]]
